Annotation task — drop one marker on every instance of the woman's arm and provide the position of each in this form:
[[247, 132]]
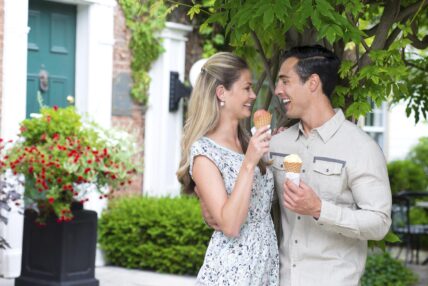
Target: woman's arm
[[230, 212]]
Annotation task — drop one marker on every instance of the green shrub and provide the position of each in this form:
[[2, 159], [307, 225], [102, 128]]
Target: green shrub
[[383, 270], [406, 175], [419, 153], [161, 234]]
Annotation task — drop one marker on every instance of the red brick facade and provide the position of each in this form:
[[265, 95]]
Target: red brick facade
[[134, 121]]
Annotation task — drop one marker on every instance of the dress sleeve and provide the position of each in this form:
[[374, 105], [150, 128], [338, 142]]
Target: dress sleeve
[[201, 148]]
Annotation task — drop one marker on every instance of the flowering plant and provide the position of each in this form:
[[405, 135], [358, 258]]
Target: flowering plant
[[58, 152]]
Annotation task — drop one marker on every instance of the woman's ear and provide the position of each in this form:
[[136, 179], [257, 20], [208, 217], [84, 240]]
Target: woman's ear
[[219, 92]]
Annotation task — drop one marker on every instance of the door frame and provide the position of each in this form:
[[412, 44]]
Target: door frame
[[93, 86]]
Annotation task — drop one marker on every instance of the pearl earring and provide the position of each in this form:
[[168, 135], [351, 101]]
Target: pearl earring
[[221, 103]]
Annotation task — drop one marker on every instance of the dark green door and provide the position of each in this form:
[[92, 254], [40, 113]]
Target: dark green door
[[51, 54]]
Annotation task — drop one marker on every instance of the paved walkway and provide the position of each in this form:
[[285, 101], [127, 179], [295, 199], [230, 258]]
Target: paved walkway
[[116, 276]]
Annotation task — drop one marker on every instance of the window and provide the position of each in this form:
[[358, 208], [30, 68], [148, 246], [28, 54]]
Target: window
[[374, 123]]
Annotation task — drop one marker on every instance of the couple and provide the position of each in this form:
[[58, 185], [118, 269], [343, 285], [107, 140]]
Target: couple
[[343, 198]]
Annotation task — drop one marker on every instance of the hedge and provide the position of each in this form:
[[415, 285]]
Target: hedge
[[161, 234], [168, 235]]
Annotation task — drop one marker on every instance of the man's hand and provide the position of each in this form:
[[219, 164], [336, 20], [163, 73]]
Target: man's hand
[[208, 218], [301, 199]]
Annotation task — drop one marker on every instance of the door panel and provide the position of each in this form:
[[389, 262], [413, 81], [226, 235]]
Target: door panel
[[51, 49]]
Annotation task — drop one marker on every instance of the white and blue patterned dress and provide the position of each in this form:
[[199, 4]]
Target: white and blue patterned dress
[[252, 257]]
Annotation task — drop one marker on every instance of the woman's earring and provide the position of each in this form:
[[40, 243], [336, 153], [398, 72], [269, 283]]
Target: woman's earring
[[221, 103]]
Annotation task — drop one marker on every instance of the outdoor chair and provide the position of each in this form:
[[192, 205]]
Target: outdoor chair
[[409, 234]]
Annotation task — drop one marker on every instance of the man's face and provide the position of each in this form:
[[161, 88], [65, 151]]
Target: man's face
[[291, 91]]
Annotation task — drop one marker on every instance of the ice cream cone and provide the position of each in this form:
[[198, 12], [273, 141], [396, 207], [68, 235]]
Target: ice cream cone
[[292, 163], [262, 118]]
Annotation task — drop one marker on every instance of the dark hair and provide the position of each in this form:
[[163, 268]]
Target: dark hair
[[316, 60]]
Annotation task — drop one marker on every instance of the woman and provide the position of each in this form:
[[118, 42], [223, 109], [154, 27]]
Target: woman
[[232, 181]]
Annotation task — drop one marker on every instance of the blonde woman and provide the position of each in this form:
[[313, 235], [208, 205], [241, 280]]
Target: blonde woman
[[220, 159]]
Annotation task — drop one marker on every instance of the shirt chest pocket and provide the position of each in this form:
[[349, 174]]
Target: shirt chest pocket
[[328, 177]]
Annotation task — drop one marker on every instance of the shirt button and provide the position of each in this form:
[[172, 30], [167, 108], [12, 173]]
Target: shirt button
[[295, 241], [303, 170], [294, 265], [307, 147], [298, 217], [327, 170]]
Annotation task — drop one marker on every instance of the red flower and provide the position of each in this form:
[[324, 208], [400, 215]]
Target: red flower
[[55, 136], [51, 200], [55, 107]]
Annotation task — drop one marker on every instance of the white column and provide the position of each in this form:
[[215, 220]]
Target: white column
[[94, 61], [163, 129], [94, 75], [13, 112]]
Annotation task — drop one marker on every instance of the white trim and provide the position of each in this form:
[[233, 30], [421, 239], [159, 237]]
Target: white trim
[[94, 76], [109, 3], [163, 129]]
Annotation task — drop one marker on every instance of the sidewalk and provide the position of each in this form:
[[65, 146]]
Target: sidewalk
[[116, 276]]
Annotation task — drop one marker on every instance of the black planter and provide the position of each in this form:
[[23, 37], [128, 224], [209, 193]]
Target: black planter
[[59, 254]]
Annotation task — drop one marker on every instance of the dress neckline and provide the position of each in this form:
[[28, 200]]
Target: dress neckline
[[223, 147]]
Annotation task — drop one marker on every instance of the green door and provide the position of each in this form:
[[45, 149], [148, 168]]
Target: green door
[[51, 54]]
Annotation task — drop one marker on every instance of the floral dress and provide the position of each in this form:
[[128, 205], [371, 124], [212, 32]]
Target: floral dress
[[252, 257]]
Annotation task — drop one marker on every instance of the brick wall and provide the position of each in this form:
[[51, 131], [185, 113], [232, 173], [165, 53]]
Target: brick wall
[[126, 114], [1, 52]]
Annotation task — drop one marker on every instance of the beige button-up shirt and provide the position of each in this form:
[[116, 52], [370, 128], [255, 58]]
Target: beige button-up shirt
[[347, 169]]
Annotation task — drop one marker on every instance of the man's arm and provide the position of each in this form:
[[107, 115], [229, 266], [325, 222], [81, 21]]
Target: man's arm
[[372, 195]]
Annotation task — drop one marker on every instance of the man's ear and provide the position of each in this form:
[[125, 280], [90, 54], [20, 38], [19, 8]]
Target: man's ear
[[314, 82], [219, 92]]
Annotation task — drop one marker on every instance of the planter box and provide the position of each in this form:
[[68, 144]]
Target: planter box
[[59, 254]]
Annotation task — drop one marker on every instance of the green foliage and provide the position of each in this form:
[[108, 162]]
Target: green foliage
[[144, 18], [383, 47], [63, 158], [406, 175], [161, 234], [62, 121], [390, 238], [419, 153], [383, 270]]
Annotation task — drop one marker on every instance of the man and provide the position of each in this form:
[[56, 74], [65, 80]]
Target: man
[[343, 198]]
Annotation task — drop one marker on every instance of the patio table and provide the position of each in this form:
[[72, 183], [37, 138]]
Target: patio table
[[423, 204]]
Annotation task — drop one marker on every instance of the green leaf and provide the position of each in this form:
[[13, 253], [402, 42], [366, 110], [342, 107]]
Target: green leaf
[[268, 17], [194, 10]]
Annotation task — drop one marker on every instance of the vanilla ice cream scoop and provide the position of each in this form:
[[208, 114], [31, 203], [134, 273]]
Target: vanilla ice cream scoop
[[292, 165]]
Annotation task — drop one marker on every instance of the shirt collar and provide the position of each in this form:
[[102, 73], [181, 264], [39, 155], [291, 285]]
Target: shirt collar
[[327, 130]]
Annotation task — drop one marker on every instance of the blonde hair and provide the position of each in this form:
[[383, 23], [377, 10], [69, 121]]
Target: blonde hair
[[203, 111]]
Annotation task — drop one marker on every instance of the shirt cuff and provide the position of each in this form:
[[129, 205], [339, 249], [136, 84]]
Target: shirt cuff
[[330, 213]]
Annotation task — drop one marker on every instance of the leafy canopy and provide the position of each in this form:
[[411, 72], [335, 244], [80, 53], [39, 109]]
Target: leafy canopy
[[382, 44]]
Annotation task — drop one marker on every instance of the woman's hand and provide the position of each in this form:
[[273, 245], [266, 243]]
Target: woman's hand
[[258, 145]]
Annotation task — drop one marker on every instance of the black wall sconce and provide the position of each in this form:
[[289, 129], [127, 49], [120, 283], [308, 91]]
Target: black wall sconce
[[177, 90]]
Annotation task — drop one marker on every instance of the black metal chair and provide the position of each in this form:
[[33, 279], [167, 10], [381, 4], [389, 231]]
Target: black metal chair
[[409, 234]]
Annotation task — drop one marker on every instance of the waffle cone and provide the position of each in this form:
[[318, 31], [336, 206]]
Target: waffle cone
[[294, 167], [263, 120]]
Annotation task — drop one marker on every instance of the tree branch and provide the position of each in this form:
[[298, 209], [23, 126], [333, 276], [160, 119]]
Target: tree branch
[[259, 83], [265, 61], [386, 21], [419, 44], [410, 64], [411, 9]]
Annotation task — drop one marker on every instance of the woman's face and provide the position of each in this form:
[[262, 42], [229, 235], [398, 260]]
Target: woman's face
[[240, 97]]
